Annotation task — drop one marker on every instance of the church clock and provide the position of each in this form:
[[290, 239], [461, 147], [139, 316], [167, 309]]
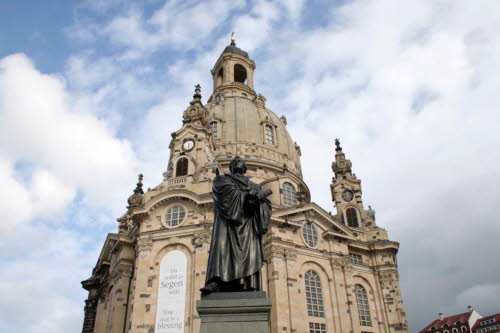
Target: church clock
[[347, 195], [188, 145]]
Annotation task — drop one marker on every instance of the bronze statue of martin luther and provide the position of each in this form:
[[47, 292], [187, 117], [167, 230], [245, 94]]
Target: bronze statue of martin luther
[[241, 218]]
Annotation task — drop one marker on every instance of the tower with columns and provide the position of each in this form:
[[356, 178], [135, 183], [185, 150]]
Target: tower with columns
[[323, 272]]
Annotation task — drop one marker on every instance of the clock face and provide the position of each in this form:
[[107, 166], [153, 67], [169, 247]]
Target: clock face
[[188, 145], [347, 195]]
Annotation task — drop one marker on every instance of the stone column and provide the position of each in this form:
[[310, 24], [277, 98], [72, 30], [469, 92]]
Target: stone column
[[90, 314], [278, 289], [92, 285], [342, 280], [118, 299]]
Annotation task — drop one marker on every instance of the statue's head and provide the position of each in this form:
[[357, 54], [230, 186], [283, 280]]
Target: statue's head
[[238, 166]]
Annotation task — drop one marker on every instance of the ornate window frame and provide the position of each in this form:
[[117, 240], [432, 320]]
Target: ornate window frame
[[357, 214], [363, 305], [315, 301], [240, 69], [164, 215], [315, 228], [264, 124], [215, 133], [218, 98], [260, 100], [220, 126], [176, 166], [284, 193], [355, 258]]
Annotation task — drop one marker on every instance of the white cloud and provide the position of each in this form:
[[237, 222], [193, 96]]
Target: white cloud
[[177, 24], [42, 283], [69, 151]]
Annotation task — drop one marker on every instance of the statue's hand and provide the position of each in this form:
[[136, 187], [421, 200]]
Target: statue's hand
[[251, 202], [264, 194]]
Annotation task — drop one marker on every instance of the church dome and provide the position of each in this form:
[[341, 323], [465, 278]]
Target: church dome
[[242, 125], [241, 122], [236, 50]]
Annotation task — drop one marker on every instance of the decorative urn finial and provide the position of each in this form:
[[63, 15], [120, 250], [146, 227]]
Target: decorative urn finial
[[136, 198], [138, 189], [337, 144], [197, 92]]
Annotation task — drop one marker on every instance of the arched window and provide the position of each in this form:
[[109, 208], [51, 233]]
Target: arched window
[[182, 167], [314, 294], [454, 330], [289, 194], [464, 329], [310, 234], [220, 77], [240, 73], [269, 134], [365, 318], [214, 128], [352, 217]]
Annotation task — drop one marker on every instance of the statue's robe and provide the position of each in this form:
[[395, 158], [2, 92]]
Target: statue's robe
[[236, 255]]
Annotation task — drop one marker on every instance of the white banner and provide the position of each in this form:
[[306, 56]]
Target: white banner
[[171, 293]]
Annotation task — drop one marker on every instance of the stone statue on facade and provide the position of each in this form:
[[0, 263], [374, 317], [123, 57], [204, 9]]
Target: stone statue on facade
[[241, 218]]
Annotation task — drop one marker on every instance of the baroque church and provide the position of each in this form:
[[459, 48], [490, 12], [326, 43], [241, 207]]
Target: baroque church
[[323, 272]]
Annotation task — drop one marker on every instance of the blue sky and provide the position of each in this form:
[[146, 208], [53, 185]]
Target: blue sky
[[91, 90]]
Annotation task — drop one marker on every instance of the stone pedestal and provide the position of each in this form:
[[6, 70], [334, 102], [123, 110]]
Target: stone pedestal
[[241, 312]]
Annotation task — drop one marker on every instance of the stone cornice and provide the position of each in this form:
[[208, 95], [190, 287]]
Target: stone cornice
[[233, 85], [283, 223], [380, 245], [336, 229]]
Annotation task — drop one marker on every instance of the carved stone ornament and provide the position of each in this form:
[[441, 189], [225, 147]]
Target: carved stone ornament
[[274, 252], [341, 165], [121, 271], [123, 226], [388, 279], [301, 195], [347, 195], [91, 304], [342, 262], [200, 238], [291, 257], [195, 112], [290, 254], [144, 247], [136, 198]]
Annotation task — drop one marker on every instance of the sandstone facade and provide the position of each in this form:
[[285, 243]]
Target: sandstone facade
[[324, 272]]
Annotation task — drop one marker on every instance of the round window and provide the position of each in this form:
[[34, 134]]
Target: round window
[[310, 234], [175, 216]]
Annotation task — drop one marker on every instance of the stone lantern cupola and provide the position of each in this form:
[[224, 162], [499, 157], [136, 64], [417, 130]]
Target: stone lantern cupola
[[233, 67]]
